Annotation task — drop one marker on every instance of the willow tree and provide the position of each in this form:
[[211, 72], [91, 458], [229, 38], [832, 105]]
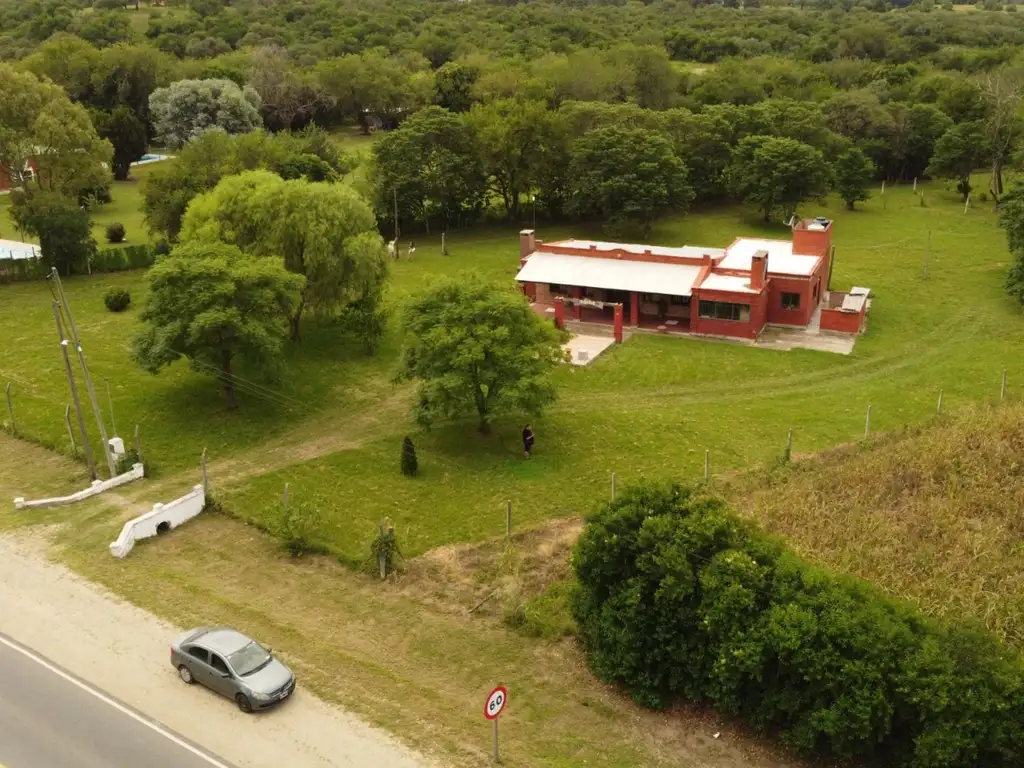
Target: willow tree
[[325, 232]]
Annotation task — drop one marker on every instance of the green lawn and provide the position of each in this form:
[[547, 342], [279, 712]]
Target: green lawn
[[333, 427], [125, 206]]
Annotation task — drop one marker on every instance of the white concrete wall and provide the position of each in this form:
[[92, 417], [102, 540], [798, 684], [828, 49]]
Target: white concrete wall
[[145, 526], [98, 486]]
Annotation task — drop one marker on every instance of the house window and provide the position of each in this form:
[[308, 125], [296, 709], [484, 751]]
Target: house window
[[721, 310], [679, 301], [556, 288], [791, 301]]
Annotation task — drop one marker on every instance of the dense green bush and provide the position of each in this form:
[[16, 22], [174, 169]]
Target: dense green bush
[[115, 232], [121, 259], [410, 466], [117, 299], [679, 598]]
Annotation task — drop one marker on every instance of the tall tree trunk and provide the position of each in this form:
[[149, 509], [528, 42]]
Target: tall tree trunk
[[481, 409], [228, 380], [364, 122], [296, 320]]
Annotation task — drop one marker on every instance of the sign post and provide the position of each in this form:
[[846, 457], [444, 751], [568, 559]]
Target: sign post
[[496, 702]]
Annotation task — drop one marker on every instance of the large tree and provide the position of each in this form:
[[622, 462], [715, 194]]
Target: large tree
[[1003, 90], [853, 173], [322, 231], [213, 304], [187, 108], [63, 227], [777, 174], [1011, 219], [285, 94], [627, 174], [126, 133], [477, 347], [510, 134], [41, 126], [431, 167], [958, 153]]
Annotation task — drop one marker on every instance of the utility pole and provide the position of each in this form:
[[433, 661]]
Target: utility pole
[[85, 371], [74, 391]]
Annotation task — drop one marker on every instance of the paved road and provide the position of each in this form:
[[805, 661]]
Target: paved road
[[50, 719]]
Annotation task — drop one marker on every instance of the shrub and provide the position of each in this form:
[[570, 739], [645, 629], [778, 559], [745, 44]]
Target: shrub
[[297, 528], [115, 232], [117, 299], [121, 259], [126, 461], [162, 248], [678, 597], [384, 551], [409, 464]]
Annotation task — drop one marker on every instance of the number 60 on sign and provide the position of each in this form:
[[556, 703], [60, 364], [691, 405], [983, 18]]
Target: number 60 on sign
[[495, 702]]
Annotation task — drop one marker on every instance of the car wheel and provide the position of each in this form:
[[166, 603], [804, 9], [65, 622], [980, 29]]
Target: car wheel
[[186, 675], [243, 703]]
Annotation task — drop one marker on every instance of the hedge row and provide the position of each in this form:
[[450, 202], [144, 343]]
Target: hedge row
[[103, 260], [677, 597]]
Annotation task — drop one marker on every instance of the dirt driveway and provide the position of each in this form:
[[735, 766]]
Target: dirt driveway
[[124, 651]]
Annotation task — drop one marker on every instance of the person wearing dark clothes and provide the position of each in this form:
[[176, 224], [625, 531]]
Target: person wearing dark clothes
[[528, 438]]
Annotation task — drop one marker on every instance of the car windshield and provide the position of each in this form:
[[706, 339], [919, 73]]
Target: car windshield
[[250, 658]]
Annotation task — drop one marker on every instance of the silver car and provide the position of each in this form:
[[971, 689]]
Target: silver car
[[234, 665]]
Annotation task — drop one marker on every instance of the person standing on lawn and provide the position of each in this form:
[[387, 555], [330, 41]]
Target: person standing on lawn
[[528, 438]]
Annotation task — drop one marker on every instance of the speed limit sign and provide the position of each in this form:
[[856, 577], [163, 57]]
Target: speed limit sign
[[495, 702]]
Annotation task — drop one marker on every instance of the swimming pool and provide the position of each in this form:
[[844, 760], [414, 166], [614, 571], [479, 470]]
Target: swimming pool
[[150, 158]]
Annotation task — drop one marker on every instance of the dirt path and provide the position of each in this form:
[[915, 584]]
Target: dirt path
[[123, 651]]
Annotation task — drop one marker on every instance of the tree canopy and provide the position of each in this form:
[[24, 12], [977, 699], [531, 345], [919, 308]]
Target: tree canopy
[[213, 304], [187, 108], [477, 347], [627, 174], [323, 231], [777, 174]]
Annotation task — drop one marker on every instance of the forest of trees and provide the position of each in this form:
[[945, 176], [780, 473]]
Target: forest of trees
[[496, 106]]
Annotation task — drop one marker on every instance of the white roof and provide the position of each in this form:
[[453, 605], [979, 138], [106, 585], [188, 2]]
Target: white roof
[[730, 283], [854, 302], [685, 251], [781, 259], [12, 249], [610, 274]]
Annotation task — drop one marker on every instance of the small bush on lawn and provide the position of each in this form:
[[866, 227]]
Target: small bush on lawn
[[677, 597], [117, 299], [297, 530], [115, 232], [126, 461]]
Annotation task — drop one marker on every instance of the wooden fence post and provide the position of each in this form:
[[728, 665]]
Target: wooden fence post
[[789, 445], [508, 519], [206, 486], [939, 408], [138, 445], [286, 498], [10, 409], [707, 465], [613, 486], [1002, 391], [867, 424]]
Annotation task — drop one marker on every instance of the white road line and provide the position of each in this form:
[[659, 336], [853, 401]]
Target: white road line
[[115, 704]]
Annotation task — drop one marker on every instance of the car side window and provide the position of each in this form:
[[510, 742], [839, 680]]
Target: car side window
[[200, 654], [218, 663]]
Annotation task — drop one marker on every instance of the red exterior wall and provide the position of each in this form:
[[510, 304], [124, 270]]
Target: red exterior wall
[[734, 328], [842, 322], [779, 284]]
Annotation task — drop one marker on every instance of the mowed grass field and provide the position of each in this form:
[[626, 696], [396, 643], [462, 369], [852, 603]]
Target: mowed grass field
[[332, 428]]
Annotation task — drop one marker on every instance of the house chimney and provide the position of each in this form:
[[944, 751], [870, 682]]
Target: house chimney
[[813, 237], [527, 244], [758, 270]]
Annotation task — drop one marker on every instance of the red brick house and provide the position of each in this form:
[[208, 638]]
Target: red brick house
[[731, 292], [5, 176]]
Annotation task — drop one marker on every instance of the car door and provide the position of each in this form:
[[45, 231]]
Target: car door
[[223, 680], [198, 661]]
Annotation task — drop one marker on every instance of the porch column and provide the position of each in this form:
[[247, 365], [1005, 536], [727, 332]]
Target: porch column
[[618, 323], [634, 309], [577, 310], [559, 314]]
